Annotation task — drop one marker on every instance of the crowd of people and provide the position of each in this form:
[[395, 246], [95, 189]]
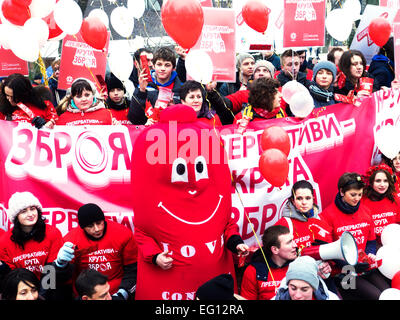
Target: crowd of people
[[277, 270]]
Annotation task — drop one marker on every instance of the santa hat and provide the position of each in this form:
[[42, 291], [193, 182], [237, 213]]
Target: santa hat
[[20, 201]]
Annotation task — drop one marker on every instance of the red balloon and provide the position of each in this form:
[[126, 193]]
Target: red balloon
[[54, 29], [256, 15], [396, 280], [22, 2], [379, 30], [275, 137], [183, 21], [274, 167], [94, 32], [15, 13]]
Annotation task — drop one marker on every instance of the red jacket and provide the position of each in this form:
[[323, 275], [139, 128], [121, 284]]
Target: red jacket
[[48, 114], [258, 282], [108, 255], [98, 117], [120, 115], [35, 254]]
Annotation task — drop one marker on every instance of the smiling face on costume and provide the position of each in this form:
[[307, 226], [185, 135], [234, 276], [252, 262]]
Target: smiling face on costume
[[193, 188]]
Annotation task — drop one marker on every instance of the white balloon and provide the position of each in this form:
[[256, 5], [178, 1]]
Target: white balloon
[[122, 21], [99, 13], [130, 88], [41, 8], [390, 256], [24, 45], [137, 43], [390, 294], [290, 88], [339, 24], [302, 104], [39, 29], [391, 235], [384, 141], [136, 8], [199, 66], [6, 34], [354, 8], [121, 64], [68, 16]]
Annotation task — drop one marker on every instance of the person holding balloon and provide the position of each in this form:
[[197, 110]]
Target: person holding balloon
[[21, 103], [347, 213], [156, 90], [380, 198], [83, 106]]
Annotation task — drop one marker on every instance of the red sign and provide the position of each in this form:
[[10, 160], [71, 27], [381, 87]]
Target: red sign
[[206, 3], [304, 23], [390, 3], [10, 63], [218, 40], [79, 60]]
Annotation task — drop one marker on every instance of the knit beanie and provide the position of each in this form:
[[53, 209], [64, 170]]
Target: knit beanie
[[304, 268], [88, 214], [113, 82], [20, 201], [324, 65], [241, 57], [264, 63], [218, 288]]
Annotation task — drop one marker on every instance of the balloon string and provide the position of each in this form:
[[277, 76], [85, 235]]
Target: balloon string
[[255, 234]]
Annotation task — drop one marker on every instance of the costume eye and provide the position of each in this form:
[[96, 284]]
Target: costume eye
[[201, 171], [179, 171]]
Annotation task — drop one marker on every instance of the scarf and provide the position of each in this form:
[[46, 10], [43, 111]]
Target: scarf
[[320, 94], [170, 81], [344, 206]]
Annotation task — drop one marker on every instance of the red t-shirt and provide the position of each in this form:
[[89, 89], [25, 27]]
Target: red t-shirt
[[108, 255], [383, 213], [120, 115], [306, 232], [99, 117], [360, 224], [35, 254]]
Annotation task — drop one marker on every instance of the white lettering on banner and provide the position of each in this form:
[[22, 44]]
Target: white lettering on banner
[[305, 11], [211, 39], [98, 156]]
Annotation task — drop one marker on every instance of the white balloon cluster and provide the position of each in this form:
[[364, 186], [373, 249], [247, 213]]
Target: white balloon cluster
[[390, 250], [199, 66], [339, 22], [298, 97]]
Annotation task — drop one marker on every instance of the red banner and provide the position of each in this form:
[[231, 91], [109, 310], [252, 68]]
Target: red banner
[[218, 40], [10, 63], [78, 60], [69, 166], [304, 23]]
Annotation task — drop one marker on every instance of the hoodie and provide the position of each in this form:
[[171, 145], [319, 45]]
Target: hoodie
[[321, 294]]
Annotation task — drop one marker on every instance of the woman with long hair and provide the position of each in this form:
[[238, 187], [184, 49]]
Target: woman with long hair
[[20, 284], [20, 102], [381, 199], [30, 243]]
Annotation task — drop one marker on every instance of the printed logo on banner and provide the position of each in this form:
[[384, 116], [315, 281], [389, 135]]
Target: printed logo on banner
[[97, 156]]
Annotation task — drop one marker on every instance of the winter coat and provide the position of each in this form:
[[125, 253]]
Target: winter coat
[[382, 69], [321, 97]]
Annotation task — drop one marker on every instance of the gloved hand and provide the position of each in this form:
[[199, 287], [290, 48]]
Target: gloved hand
[[65, 254], [121, 294], [361, 267], [38, 122]]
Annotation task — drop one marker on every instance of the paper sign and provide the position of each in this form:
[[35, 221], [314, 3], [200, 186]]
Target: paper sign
[[304, 23], [10, 63], [79, 60], [218, 40]]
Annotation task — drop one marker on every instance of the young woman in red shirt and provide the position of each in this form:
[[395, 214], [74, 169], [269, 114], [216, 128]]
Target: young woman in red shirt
[[380, 198], [347, 213]]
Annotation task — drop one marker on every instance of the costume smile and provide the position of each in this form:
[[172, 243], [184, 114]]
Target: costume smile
[[188, 222]]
